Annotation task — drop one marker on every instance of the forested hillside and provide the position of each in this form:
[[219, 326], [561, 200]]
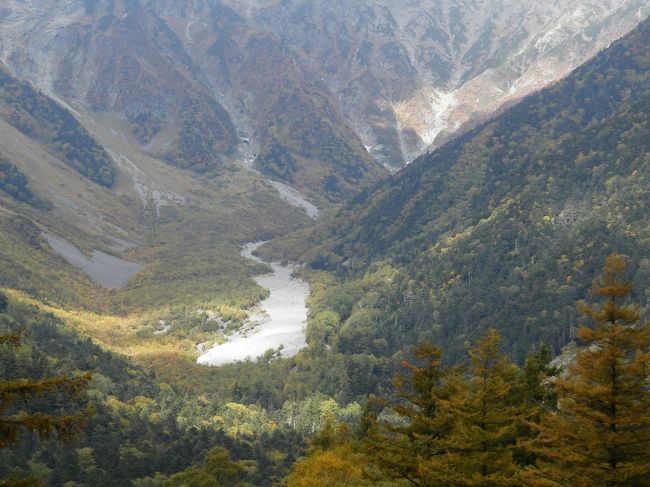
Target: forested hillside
[[492, 423], [505, 226], [42, 119], [140, 427], [487, 422]]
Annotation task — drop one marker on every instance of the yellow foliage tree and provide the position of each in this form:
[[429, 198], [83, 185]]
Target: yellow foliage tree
[[487, 414], [334, 460], [600, 433], [339, 466]]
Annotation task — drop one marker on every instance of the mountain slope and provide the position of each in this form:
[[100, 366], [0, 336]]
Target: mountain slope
[[42, 119], [134, 61], [301, 86], [139, 426], [506, 224], [409, 73], [288, 116], [184, 230], [113, 57]]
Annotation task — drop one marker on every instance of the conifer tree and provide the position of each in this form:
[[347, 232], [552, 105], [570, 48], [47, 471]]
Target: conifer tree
[[600, 433], [15, 396], [217, 470], [400, 447], [65, 426], [453, 430], [487, 413], [536, 373], [537, 396]]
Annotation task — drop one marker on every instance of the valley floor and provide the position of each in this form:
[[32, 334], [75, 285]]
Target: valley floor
[[281, 326]]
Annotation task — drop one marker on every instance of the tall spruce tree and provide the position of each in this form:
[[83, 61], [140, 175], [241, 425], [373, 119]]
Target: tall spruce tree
[[453, 429], [15, 396], [65, 426], [600, 433]]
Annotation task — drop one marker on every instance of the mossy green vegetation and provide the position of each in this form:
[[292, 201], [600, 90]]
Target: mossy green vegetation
[[26, 263], [196, 246], [205, 137]]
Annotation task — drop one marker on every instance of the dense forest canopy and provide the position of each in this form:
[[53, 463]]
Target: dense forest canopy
[[505, 226], [139, 426], [491, 423]]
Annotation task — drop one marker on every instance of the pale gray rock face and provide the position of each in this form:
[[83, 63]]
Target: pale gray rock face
[[403, 75], [102, 268], [115, 57], [409, 73]]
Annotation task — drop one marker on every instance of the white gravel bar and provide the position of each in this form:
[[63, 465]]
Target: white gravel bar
[[284, 326]]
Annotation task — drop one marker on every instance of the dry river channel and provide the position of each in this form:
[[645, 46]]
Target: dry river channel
[[282, 323]]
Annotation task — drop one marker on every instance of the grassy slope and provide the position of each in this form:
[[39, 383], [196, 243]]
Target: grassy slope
[[197, 240]]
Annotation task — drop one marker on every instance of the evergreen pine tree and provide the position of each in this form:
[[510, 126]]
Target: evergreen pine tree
[[400, 446], [12, 421], [15, 396]]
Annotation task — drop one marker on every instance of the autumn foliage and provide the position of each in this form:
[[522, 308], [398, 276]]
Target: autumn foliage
[[600, 432]]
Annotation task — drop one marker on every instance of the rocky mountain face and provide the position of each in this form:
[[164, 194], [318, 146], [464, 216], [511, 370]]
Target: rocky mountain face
[[137, 121], [112, 57], [410, 73], [39, 117], [286, 114], [169, 82], [301, 86]]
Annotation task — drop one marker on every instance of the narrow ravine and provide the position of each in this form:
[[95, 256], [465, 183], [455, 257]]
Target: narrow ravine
[[290, 195], [295, 198], [283, 324]]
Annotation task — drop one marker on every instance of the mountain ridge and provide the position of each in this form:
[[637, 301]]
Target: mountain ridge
[[499, 223], [397, 79]]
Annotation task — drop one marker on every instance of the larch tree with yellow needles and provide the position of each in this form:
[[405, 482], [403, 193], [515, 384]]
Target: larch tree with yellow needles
[[599, 435]]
